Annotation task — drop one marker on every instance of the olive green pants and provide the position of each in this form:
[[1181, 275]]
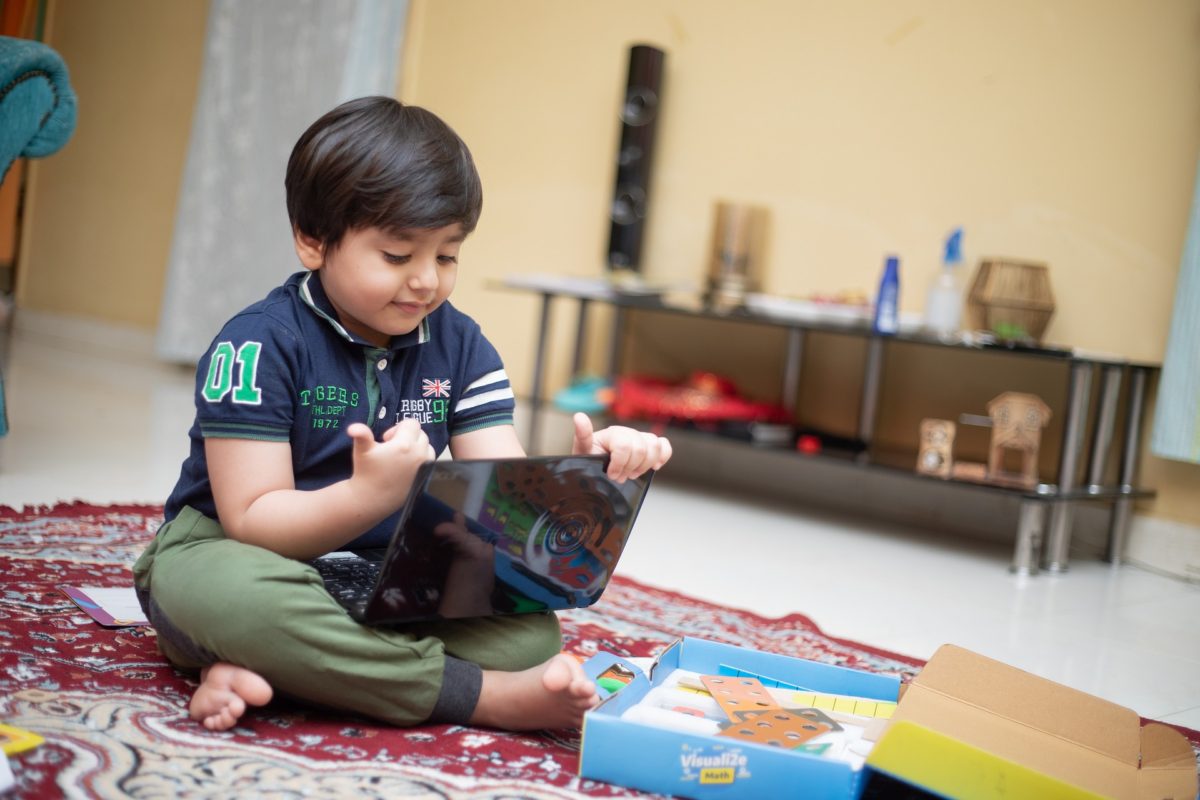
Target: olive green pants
[[212, 599]]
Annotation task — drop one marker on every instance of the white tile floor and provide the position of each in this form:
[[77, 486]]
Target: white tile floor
[[110, 428]]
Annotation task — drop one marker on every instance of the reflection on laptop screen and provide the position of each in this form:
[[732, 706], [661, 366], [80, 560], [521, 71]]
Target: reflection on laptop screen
[[506, 537]]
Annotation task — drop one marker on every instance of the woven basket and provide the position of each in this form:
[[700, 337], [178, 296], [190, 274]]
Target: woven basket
[[1012, 299]]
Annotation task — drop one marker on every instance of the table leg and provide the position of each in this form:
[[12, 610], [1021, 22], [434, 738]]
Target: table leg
[[872, 375], [791, 369], [539, 364], [1102, 435], [1058, 543], [1118, 528], [614, 344], [580, 337], [1028, 551]]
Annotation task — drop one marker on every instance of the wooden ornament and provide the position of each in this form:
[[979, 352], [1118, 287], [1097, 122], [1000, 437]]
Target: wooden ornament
[[1017, 422], [935, 451]]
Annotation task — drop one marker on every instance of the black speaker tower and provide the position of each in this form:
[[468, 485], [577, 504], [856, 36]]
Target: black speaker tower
[[639, 121]]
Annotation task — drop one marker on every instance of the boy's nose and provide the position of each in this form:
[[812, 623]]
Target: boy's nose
[[424, 275]]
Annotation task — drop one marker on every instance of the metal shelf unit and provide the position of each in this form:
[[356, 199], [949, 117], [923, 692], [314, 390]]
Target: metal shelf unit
[[1046, 511]]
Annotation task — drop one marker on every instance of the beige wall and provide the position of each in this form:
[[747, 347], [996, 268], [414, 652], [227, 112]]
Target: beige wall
[[99, 233], [1062, 132], [1052, 130]]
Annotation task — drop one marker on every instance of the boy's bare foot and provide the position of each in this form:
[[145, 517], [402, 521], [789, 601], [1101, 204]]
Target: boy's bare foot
[[223, 694], [554, 694]]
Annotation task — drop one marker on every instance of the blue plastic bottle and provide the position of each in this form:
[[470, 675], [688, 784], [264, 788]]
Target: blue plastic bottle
[[887, 313]]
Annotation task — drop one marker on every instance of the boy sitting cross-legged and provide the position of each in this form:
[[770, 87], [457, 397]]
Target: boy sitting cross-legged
[[314, 408]]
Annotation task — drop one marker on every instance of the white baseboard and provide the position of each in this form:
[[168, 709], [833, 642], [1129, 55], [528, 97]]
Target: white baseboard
[[1164, 546], [83, 334]]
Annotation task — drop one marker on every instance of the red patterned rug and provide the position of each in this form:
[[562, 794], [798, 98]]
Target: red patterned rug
[[114, 714]]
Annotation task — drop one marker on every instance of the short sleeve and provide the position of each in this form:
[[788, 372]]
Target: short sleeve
[[486, 398], [245, 383]]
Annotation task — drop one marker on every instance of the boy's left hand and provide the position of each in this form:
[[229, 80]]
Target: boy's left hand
[[630, 451]]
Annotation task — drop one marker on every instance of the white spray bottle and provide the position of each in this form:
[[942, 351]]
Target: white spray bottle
[[943, 307]]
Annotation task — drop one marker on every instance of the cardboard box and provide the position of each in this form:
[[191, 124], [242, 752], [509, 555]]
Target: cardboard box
[[969, 726], [703, 767], [966, 727]]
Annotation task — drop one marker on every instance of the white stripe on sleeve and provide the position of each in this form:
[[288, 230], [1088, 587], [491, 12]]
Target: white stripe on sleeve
[[495, 376], [483, 399]]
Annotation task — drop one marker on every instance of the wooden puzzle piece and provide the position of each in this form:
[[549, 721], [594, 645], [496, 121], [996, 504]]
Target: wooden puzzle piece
[[738, 694], [777, 728], [814, 714]]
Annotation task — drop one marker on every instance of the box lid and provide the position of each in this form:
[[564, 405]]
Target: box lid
[[1167, 762], [1051, 708], [1053, 729]]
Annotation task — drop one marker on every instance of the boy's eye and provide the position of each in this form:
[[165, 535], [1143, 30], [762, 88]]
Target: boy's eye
[[396, 258], [447, 259]]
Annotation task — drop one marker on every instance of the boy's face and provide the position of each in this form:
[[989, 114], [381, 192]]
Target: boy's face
[[383, 284]]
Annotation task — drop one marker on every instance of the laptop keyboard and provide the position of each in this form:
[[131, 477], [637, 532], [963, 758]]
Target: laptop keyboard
[[349, 580]]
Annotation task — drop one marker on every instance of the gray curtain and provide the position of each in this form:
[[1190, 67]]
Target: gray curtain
[[1177, 418], [271, 67]]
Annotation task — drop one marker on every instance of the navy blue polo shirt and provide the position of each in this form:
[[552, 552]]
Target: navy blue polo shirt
[[285, 370]]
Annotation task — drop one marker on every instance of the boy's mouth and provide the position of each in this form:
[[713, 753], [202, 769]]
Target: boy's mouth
[[410, 307]]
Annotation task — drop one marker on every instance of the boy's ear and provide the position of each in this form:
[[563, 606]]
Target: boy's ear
[[310, 250]]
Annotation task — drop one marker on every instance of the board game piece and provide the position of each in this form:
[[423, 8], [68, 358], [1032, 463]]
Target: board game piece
[[738, 694], [777, 728]]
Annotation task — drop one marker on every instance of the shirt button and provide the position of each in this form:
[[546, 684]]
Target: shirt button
[[382, 364], [382, 412]]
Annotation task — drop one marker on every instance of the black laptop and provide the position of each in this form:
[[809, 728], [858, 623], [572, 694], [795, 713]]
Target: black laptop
[[483, 537]]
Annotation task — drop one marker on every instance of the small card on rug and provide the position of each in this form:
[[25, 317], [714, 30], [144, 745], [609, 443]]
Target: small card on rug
[[17, 740], [112, 607]]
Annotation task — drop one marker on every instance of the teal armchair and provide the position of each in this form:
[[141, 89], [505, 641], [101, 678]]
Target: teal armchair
[[37, 114]]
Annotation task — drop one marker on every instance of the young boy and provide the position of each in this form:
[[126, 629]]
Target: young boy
[[314, 408]]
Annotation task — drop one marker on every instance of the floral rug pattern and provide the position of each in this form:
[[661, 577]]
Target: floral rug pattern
[[113, 713]]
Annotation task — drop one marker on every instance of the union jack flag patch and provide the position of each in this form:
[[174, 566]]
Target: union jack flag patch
[[435, 388]]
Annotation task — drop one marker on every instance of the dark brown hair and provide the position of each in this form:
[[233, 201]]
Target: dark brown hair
[[375, 162]]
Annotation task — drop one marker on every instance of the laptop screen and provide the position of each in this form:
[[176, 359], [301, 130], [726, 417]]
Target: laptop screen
[[505, 536]]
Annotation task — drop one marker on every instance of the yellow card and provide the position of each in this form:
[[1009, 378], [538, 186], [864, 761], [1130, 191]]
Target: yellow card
[[14, 740]]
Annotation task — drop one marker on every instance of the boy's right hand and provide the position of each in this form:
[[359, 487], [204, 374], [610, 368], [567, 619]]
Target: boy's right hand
[[387, 468]]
